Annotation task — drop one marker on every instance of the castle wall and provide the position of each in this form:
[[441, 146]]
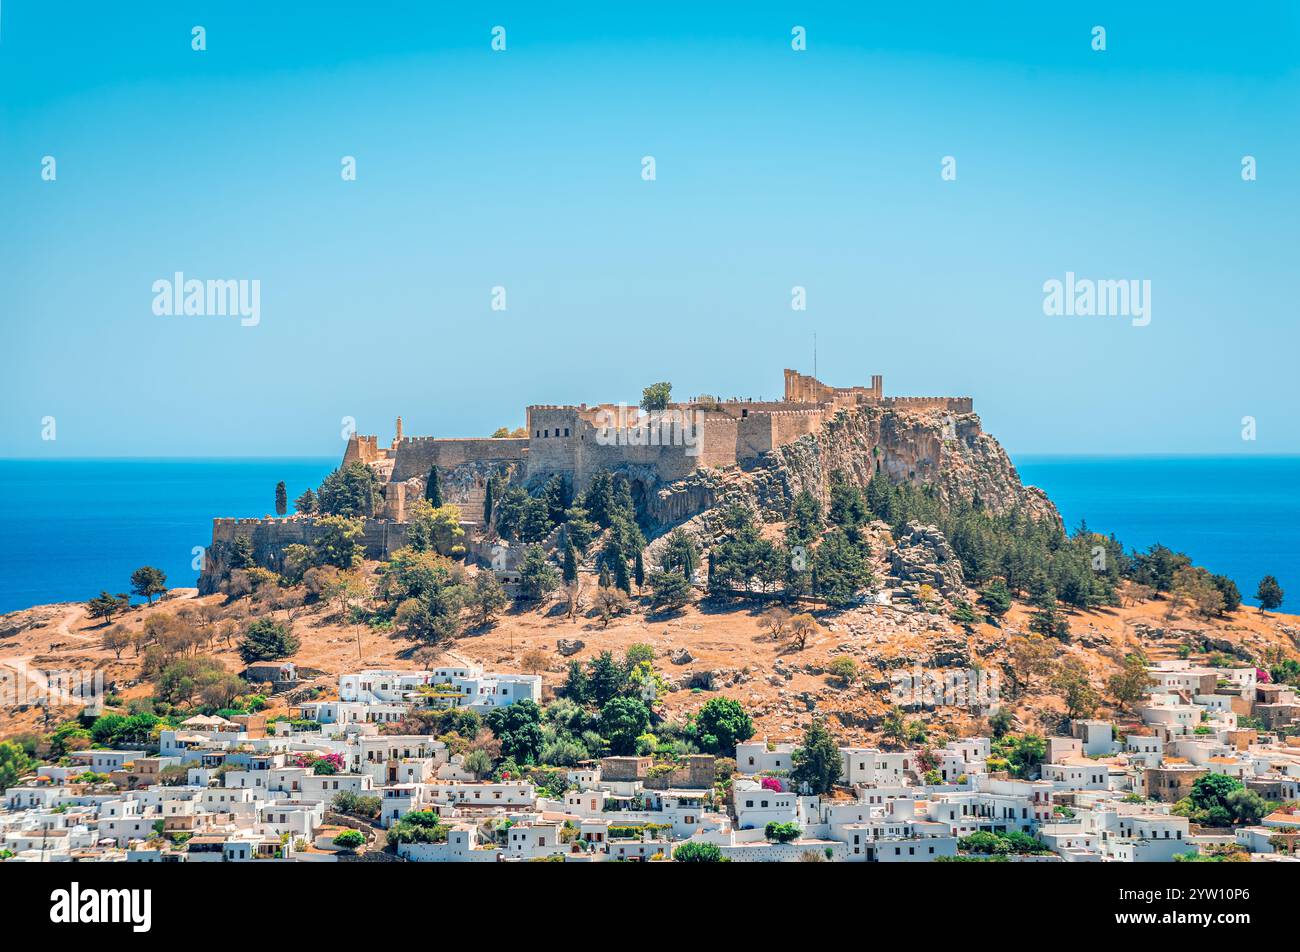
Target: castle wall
[[416, 455], [270, 537], [951, 404], [362, 449]]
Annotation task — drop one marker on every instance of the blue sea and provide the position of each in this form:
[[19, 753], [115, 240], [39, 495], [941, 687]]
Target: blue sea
[[1237, 516], [71, 528]]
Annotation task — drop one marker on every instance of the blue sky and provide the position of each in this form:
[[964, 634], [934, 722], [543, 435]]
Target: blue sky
[[775, 168]]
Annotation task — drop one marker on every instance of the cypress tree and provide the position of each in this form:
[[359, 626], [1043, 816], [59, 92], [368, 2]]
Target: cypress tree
[[638, 569], [433, 488], [281, 499], [570, 570], [621, 580], [487, 501]]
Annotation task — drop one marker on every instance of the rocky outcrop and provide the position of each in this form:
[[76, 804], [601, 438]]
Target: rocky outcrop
[[949, 452], [921, 446], [922, 556]]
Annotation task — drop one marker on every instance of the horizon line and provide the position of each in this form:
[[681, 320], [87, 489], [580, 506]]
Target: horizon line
[[1043, 454]]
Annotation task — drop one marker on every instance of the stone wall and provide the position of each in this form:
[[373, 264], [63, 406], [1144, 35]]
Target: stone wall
[[270, 537], [414, 456]]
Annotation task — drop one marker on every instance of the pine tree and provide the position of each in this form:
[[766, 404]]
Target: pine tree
[[148, 582], [1047, 619], [306, 503], [433, 488], [281, 499], [570, 570], [621, 580], [1269, 593]]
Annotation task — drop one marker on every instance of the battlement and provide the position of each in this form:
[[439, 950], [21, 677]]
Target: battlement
[[951, 404], [579, 440]]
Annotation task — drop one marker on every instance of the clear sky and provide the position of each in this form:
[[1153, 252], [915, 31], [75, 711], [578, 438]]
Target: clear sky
[[522, 169]]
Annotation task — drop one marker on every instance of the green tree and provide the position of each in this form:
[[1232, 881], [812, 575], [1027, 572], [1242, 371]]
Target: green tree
[[638, 569], [241, 553], [267, 640], [487, 597], [817, 763], [1130, 685], [607, 678], [1229, 591], [848, 508], [1027, 752], [488, 493], [433, 488], [671, 591], [478, 762], [805, 523], [995, 598], [338, 541], [1047, 619], [518, 727], [657, 396], [148, 581], [306, 503], [722, 724], [579, 530], [105, 606], [537, 577], [351, 490], [622, 720], [681, 553], [1076, 689], [1212, 790], [1269, 594], [569, 570], [281, 498], [1246, 806], [435, 527], [14, 763]]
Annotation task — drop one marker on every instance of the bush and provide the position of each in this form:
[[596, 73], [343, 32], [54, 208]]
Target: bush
[[844, 668], [692, 852], [781, 832], [350, 839]]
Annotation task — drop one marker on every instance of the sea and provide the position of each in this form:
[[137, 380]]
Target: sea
[[71, 528]]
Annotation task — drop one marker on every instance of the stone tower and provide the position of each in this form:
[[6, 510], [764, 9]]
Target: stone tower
[[398, 437]]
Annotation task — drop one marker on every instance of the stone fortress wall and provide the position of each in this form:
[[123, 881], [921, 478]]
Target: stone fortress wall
[[577, 442]]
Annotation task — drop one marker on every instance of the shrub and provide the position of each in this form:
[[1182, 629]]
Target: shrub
[[781, 832], [692, 852], [350, 839]]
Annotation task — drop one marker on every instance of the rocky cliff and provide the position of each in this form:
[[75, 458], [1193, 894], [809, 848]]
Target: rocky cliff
[[950, 452]]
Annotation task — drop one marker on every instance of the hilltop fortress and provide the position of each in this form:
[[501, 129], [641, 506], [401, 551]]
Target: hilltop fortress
[[678, 460], [577, 442]]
